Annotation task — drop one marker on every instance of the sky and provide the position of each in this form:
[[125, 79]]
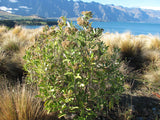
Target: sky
[[150, 4]]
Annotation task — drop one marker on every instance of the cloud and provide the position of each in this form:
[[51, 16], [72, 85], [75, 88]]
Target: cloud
[[5, 8], [24, 7], [15, 9], [13, 1], [9, 10]]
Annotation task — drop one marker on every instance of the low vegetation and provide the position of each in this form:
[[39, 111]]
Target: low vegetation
[[13, 44], [78, 73], [20, 103], [13, 23], [139, 52]]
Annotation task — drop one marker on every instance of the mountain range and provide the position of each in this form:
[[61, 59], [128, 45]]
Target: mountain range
[[72, 9]]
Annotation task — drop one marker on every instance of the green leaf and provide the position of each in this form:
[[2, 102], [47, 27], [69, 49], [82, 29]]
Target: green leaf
[[61, 115], [73, 108], [95, 81], [111, 103], [78, 76], [92, 55], [68, 73], [66, 60]]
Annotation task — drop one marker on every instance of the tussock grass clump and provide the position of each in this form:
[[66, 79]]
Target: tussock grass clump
[[138, 51], [22, 37], [13, 43], [151, 76], [20, 103], [17, 30], [153, 42], [11, 46], [3, 29], [111, 40], [141, 52]]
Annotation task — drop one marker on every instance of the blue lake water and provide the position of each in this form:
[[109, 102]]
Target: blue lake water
[[134, 28]]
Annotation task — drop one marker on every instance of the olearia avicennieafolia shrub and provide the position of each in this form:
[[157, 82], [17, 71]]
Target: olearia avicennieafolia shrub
[[76, 75]]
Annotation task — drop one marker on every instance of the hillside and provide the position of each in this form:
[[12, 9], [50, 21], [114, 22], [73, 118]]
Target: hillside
[[11, 20], [5, 16], [71, 9]]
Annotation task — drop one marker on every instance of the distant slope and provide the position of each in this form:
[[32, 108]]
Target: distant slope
[[11, 20], [153, 13], [71, 9], [8, 16], [5, 15]]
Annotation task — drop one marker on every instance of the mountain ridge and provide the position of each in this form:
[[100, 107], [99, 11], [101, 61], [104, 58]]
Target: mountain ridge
[[72, 9]]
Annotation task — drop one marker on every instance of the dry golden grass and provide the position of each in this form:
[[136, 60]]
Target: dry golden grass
[[131, 48], [140, 52], [20, 103], [111, 40], [125, 41], [3, 29], [25, 37], [13, 43], [17, 30], [12, 46], [152, 78], [153, 42], [131, 45]]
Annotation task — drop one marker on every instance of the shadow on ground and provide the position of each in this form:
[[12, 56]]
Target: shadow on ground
[[136, 108]]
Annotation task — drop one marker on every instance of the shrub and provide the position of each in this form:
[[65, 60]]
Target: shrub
[[76, 75]]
